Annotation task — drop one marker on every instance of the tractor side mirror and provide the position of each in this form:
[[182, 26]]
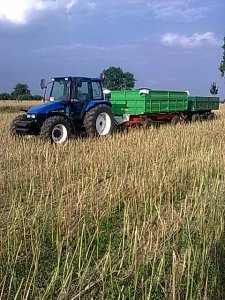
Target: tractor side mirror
[[43, 84]]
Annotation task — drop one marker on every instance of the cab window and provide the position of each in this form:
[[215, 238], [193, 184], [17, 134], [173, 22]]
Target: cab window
[[97, 90], [83, 91], [59, 90]]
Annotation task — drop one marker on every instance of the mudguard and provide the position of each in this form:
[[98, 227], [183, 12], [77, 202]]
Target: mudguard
[[95, 103]]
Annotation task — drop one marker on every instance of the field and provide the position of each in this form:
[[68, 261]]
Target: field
[[10, 106], [137, 215]]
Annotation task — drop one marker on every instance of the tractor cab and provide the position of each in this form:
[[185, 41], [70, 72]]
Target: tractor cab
[[77, 94], [75, 89]]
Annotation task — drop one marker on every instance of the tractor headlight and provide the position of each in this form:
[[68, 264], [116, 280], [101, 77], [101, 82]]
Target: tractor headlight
[[29, 116]]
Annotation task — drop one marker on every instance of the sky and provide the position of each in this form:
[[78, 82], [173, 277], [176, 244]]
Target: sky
[[166, 44]]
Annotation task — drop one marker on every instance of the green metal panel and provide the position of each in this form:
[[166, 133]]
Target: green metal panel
[[203, 103], [131, 102]]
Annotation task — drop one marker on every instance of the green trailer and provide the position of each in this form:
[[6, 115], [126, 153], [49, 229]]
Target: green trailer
[[203, 103], [147, 106], [136, 103]]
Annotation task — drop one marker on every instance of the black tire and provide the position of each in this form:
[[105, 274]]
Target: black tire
[[211, 116], [175, 121], [149, 123], [93, 123], [13, 126], [56, 129], [195, 118]]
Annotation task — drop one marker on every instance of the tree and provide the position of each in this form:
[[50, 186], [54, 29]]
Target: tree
[[116, 79], [222, 65], [214, 89], [36, 97], [20, 89], [129, 80], [24, 97], [4, 96]]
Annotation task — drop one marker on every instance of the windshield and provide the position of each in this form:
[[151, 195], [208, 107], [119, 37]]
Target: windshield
[[60, 90]]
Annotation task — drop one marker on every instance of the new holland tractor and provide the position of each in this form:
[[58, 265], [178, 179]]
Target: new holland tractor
[[75, 104]]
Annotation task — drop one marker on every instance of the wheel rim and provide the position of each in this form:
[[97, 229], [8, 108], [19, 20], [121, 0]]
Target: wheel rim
[[59, 134], [103, 124]]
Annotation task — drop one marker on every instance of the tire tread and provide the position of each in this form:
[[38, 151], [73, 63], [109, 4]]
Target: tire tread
[[46, 127], [89, 119], [13, 124]]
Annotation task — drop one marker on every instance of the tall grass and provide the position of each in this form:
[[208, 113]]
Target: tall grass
[[137, 215], [11, 106]]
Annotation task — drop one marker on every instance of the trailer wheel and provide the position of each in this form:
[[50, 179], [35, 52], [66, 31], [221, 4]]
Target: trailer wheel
[[148, 123], [56, 129], [175, 121], [99, 121], [195, 118], [13, 126], [211, 116]]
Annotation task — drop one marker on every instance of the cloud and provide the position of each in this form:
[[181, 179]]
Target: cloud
[[196, 40], [182, 10], [92, 5], [70, 4], [175, 10], [20, 12]]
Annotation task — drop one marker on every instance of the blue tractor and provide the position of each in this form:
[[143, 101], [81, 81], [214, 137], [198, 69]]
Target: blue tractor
[[75, 104]]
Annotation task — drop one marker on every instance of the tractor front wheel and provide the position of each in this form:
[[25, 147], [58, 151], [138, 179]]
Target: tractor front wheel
[[99, 121], [13, 127], [56, 129]]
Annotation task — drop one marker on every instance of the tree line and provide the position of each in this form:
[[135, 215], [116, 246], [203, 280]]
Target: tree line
[[20, 92]]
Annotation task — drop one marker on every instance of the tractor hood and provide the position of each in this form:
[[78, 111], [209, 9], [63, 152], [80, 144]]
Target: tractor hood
[[46, 108]]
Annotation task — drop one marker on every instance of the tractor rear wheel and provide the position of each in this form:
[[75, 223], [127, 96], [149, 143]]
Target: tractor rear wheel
[[56, 129], [99, 121], [13, 126]]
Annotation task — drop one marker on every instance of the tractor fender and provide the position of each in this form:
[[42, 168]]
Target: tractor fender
[[95, 103]]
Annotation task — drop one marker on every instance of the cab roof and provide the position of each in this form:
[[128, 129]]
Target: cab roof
[[83, 78]]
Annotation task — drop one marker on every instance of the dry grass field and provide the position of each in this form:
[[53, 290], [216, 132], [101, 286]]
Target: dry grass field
[[137, 215], [10, 106]]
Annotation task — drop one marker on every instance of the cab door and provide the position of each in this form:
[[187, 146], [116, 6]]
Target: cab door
[[81, 96]]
